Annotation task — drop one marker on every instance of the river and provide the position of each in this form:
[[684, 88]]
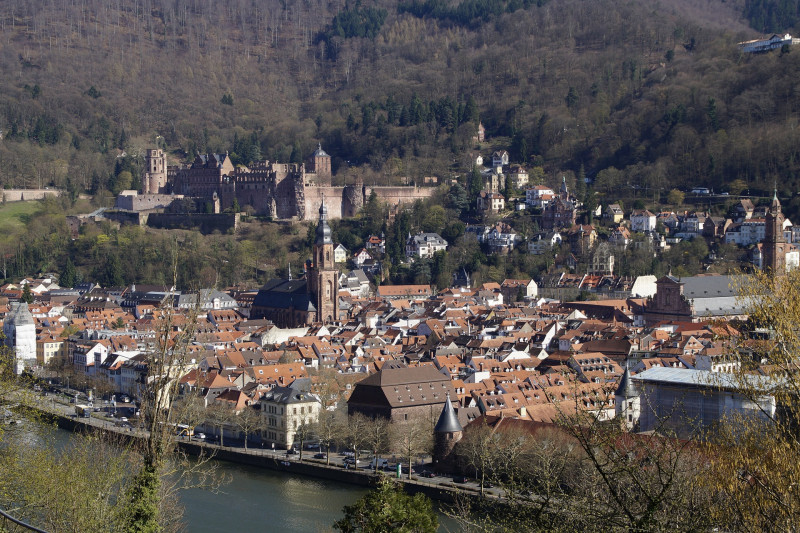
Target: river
[[263, 500], [255, 499]]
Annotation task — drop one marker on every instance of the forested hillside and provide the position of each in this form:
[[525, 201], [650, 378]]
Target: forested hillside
[[654, 94]]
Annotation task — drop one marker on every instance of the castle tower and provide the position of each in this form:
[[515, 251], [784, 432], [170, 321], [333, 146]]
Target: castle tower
[[323, 278], [446, 434], [564, 192], [155, 177], [322, 164], [774, 259], [626, 401]]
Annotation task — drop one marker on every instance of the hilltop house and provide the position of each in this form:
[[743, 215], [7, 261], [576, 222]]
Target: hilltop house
[[424, 245]]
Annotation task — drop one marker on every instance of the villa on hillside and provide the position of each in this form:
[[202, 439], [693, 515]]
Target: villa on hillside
[[766, 45]]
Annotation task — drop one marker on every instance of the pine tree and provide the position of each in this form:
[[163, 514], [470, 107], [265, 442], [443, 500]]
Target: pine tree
[[69, 276]]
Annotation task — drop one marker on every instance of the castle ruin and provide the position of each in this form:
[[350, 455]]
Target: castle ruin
[[278, 190]]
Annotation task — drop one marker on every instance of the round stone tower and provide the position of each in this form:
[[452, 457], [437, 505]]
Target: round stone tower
[[446, 434]]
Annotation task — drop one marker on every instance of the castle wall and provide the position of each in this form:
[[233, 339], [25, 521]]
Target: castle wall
[[400, 195], [18, 195], [142, 202], [333, 201]]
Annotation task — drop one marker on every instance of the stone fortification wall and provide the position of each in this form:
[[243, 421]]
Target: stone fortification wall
[[400, 195], [19, 195], [143, 202], [313, 199]]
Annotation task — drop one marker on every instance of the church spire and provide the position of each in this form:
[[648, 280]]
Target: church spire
[[323, 230]]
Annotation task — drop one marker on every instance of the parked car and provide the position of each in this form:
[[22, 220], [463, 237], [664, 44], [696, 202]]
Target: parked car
[[382, 463], [351, 461]]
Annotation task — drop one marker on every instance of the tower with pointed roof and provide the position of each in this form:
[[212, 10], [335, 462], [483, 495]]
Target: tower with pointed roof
[[774, 249], [322, 279], [626, 401], [446, 434]]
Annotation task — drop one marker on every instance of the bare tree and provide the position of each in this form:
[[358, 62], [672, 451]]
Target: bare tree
[[356, 433], [247, 420], [329, 428], [411, 438], [220, 415], [377, 437]]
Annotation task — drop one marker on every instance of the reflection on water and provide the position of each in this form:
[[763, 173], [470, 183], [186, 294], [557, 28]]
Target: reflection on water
[[259, 500], [255, 500]]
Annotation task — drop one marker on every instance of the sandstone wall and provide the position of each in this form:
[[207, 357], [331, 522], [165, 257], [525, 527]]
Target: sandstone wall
[[18, 195], [400, 195], [142, 202]]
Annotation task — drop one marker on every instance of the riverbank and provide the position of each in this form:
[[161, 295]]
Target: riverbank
[[266, 459]]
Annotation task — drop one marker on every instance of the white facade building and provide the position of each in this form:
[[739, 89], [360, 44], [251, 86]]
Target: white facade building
[[424, 245], [643, 221], [20, 332]]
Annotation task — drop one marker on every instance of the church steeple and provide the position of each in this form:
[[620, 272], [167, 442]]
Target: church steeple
[[323, 229], [774, 248], [323, 278]]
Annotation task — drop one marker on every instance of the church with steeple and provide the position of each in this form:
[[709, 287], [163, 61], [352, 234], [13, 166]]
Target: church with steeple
[[775, 245], [314, 298]]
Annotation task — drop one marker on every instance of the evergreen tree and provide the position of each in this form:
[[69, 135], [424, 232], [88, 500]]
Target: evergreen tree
[[27, 296], [387, 508], [69, 276]]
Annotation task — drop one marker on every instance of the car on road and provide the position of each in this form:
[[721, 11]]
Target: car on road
[[427, 474], [291, 451], [460, 479], [200, 436], [320, 455], [123, 419]]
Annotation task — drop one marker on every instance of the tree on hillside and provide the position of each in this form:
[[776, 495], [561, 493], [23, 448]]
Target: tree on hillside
[[387, 508], [69, 276], [676, 197], [755, 471]]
